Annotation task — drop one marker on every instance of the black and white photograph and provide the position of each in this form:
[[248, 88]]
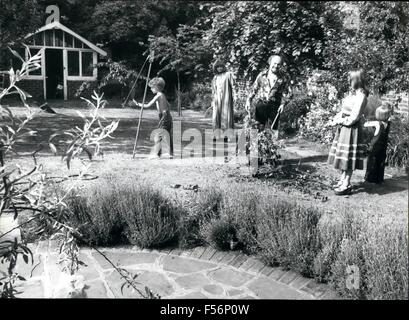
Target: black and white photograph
[[207, 152]]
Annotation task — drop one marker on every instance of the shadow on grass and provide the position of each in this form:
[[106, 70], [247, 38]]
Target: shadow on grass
[[389, 186]]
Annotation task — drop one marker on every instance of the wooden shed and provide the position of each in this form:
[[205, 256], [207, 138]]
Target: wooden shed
[[68, 61]]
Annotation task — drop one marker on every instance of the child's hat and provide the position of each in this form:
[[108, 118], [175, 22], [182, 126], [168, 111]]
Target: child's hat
[[383, 112]]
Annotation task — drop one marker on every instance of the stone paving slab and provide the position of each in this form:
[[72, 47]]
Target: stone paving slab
[[198, 273]]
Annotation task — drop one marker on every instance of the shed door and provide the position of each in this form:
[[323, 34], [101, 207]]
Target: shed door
[[54, 74]]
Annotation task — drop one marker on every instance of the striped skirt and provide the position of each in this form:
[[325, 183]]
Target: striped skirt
[[348, 149]]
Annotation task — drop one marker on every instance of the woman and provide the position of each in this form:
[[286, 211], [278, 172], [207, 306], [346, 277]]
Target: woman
[[272, 91], [222, 103], [347, 152]]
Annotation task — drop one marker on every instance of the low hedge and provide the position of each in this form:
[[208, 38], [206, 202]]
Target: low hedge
[[361, 258]]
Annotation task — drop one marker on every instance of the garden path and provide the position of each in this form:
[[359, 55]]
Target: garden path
[[175, 274]]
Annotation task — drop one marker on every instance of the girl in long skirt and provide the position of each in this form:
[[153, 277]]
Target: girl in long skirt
[[222, 89], [347, 152]]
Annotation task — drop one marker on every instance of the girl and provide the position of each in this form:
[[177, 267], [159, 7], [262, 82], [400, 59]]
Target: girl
[[165, 119], [347, 152], [377, 151], [222, 103]]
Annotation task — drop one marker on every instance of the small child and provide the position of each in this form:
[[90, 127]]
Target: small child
[[165, 118], [377, 150]]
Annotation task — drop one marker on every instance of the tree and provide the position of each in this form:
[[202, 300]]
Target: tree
[[380, 46], [184, 54], [17, 19], [247, 33]]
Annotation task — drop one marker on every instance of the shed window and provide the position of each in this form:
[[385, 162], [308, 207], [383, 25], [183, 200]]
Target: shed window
[[58, 38], [68, 40], [49, 38], [39, 39], [77, 43], [87, 64], [73, 63]]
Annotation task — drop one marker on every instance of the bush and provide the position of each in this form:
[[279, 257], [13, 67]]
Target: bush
[[327, 246], [152, 221], [397, 154], [324, 105], [295, 109], [220, 234], [330, 247], [241, 209], [201, 96], [288, 235], [123, 212], [205, 207]]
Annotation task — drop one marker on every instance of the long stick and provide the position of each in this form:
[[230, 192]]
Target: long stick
[[134, 84], [143, 103], [274, 122]]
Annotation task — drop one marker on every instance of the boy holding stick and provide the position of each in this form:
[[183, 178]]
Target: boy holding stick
[[164, 132]]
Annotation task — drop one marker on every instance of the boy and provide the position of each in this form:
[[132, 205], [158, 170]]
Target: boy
[[378, 145], [165, 119]]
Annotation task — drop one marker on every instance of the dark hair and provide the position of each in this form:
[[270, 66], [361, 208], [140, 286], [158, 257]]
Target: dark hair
[[158, 83], [219, 63], [358, 74]]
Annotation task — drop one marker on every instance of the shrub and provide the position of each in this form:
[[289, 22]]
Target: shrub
[[220, 234], [201, 94], [295, 109], [241, 209], [205, 207], [151, 220], [126, 213], [96, 214], [385, 252], [324, 105], [397, 154], [288, 235]]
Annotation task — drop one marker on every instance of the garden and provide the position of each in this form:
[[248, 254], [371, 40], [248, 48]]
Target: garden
[[69, 177]]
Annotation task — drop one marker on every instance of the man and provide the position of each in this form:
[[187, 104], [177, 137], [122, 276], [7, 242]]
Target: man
[[272, 91]]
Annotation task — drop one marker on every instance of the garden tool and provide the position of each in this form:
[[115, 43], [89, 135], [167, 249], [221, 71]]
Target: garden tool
[[134, 85], [151, 57]]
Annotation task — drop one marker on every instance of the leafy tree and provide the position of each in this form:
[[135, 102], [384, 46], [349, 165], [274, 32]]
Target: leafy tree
[[380, 46], [17, 19], [184, 54], [247, 33]]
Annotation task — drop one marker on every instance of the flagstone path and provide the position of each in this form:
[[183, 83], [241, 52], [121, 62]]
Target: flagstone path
[[174, 274]]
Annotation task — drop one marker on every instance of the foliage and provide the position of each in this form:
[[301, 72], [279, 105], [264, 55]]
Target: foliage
[[125, 213], [17, 19], [204, 207], [288, 235], [30, 190], [294, 110], [247, 33], [397, 154], [315, 125], [328, 246], [261, 142], [379, 46], [220, 234], [184, 53]]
